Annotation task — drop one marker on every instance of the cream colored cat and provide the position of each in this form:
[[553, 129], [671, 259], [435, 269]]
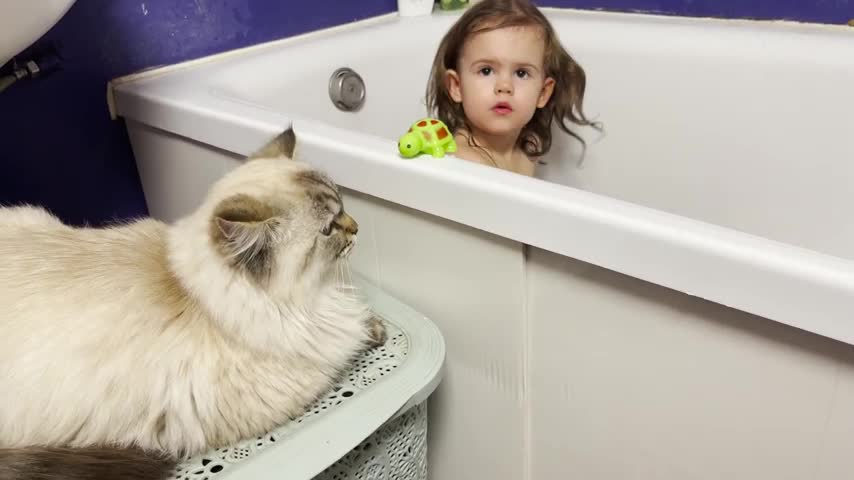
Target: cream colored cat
[[175, 338]]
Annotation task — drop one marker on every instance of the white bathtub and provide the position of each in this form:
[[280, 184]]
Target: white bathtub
[[678, 307]]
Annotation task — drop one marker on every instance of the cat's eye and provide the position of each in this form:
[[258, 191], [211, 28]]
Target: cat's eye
[[327, 230]]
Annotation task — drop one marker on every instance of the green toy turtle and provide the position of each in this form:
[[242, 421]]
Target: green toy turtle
[[427, 135], [452, 4]]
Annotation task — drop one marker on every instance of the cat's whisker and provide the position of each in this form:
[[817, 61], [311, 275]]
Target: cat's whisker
[[340, 280], [344, 279], [349, 272], [350, 289]]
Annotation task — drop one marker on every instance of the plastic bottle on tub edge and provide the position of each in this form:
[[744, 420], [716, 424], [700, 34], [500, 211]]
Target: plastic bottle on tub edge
[[414, 8]]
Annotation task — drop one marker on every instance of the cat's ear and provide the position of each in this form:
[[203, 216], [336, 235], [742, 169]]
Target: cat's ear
[[284, 145], [245, 231]]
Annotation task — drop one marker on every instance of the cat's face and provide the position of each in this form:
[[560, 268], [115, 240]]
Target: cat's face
[[282, 224]]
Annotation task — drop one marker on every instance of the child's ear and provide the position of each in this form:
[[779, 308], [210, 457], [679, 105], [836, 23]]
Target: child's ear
[[546, 92], [452, 83]]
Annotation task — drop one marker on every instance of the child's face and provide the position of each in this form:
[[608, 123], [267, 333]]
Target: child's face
[[501, 80]]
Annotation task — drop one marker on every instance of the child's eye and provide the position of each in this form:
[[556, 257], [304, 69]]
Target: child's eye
[[522, 73], [485, 71]]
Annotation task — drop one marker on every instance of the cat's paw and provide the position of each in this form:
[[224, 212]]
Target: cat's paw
[[376, 332]]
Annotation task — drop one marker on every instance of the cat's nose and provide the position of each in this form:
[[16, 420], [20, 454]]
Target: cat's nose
[[349, 224]]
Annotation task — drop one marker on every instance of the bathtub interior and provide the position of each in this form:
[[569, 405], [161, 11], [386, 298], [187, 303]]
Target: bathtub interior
[[395, 75], [738, 124]]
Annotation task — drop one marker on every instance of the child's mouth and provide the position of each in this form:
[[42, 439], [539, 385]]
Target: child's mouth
[[502, 108]]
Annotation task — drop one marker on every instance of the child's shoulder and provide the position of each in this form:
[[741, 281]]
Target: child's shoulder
[[524, 164]]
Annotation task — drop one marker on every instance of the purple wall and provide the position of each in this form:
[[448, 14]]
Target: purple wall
[[58, 147], [819, 11]]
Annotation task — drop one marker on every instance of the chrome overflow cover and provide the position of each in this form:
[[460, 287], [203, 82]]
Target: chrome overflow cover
[[346, 89]]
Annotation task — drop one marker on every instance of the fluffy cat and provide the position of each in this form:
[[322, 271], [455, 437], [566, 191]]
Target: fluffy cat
[[123, 348]]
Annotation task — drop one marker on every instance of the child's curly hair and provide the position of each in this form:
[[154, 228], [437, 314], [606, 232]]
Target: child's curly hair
[[565, 103]]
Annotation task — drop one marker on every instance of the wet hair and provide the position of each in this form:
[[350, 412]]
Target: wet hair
[[565, 103]]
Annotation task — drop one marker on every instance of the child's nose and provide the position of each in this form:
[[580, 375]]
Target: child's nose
[[504, 85]]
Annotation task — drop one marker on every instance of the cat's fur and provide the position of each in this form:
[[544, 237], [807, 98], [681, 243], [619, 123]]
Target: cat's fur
[[179, 338]]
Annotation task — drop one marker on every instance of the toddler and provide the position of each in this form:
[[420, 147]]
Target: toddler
[[499, 79]]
